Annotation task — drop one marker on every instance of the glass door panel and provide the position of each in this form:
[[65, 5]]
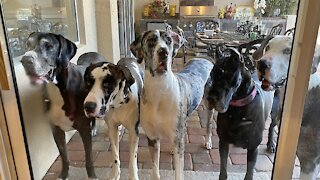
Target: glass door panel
[[22, 17]]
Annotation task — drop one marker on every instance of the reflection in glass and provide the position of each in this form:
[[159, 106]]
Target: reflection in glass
[[308, 149], [25, 16]]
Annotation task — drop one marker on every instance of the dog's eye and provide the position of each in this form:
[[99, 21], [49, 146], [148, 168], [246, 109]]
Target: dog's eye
[[47, 45], [168, 40], [287, 51]]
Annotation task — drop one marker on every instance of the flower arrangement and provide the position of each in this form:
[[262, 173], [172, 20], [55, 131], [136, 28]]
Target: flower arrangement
[[259, 6], [158, 8]]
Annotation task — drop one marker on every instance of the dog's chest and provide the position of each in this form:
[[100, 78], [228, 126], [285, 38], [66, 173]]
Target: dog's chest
[[55, 113], [242, 127], [160, 107]]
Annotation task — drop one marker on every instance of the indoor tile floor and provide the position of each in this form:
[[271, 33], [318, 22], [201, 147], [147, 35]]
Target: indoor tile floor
[[197, 157]]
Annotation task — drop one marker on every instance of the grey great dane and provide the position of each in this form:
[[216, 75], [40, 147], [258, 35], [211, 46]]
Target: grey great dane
[[48, 61], [114, 94], [167, 98], [273, 58]]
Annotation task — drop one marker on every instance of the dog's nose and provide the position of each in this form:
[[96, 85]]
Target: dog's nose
[[90, 107], [163, 52], [263, 65], [27, 60]]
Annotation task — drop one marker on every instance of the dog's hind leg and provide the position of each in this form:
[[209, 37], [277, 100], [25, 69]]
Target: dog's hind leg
[[211, 115], [154, 149], [179, 158], [133, 168], [59, 138], [114, 139], [85, 133], [251, 162], [224, 152]]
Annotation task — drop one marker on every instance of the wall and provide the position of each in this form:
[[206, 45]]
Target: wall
[[108, 29]]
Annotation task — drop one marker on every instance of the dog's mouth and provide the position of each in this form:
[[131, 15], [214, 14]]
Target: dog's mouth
[[269, 86], [161, 67], [36, 79]]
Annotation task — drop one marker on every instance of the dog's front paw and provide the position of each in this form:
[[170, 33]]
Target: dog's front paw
[[208, 143], [155, 176], [271, 147], [93, 178], [115, 173]]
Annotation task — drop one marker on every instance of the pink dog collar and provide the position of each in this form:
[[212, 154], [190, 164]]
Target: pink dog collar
[[244, 101]]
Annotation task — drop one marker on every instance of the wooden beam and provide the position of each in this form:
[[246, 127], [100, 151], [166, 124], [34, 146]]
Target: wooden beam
[[4, 82]]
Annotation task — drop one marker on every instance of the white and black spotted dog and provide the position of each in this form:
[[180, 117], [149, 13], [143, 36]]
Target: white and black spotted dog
[[113, 93], [273, 63], [167, 98]]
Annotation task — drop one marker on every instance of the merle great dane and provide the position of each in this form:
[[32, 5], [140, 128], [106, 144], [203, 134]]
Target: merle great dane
[[114, 94], [167, 98], [243, 107], [48, 61], [273, 58]]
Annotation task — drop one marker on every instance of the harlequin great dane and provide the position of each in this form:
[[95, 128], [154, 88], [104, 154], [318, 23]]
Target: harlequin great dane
[[167, 99], [48, 61], [273, 63], [114, 94]]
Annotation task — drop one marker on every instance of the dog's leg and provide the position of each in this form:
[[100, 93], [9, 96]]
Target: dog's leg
[[179, 158], [94, 127], [224, 152], [154, 149], [309, 170], [211, 115], [85, 133], [251, 162], [271, 144], [59, 138], [133, 168], [114, 139]]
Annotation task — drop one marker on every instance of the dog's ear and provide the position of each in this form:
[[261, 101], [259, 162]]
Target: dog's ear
[[136, 48], [127, 75], [259, 52], [123, 73], [220, 52], [178, 41], [67, 50]]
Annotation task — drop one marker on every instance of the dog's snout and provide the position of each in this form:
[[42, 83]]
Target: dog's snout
[[263, 65], [163, 52], [90, 107], [27, 60]]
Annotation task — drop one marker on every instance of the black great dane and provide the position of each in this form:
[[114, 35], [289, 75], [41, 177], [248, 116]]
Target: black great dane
[[242, 105], [48, 61]]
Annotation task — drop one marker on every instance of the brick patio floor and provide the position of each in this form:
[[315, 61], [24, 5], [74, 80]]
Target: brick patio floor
[[197, 157]]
